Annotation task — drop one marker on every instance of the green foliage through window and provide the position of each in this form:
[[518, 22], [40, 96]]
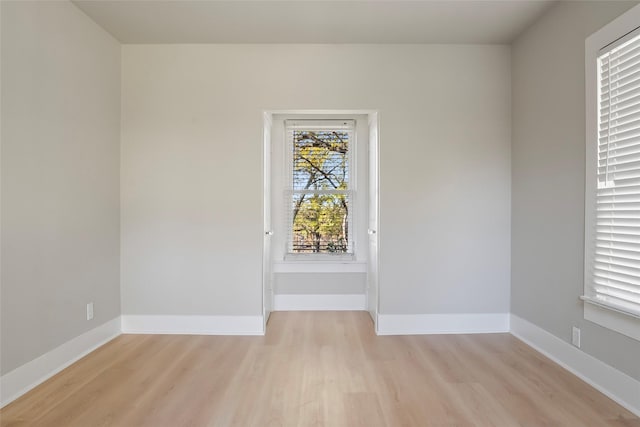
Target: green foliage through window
[[320, 201]]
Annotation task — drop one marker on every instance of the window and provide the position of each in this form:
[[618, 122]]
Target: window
[[612, 203], [320, 192]]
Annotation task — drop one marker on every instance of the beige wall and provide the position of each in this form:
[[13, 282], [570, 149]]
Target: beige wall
[[548, 178], [192, 180], [60, 177]]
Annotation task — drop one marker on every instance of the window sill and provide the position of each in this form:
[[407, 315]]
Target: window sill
[[610, 319], [307, 266]]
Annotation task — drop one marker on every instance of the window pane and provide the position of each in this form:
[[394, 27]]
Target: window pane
[[320, 160], [320, 223], [614, 277]]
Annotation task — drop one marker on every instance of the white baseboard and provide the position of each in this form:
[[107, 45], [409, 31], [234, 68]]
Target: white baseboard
[[617, 385], [421, 324], [295, 302], [19, 381], [192, 325]]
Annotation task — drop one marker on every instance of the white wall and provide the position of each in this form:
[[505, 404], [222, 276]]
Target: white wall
[[191, 169], [549, 175], [320, 283], [60, 177]]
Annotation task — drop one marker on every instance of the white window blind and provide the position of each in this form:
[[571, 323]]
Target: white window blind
[[320, 190], [614, 281]]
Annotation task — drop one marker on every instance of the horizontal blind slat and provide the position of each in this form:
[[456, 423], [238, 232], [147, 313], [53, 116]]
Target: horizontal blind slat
[[624, 292], [618, 268], [620, 296], [616, 261], [622, 98], [622, 278]]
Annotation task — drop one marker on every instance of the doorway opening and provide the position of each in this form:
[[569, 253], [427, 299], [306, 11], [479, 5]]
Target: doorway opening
[[320, 211]]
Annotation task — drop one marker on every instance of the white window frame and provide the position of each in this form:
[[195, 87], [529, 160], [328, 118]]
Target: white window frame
[[595, 311], [351, 189]]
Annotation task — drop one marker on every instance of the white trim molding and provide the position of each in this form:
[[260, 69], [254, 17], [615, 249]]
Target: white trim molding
[[422, 324], [300, 302], [623, 323], [319, 267], [594, 310], [19, 381], [192, 325], [616, 385]]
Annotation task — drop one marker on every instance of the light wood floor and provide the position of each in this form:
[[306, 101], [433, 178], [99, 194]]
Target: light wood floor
[[315, 369]]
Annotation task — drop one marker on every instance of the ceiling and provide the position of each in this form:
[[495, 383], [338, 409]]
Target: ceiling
[[309, 21]]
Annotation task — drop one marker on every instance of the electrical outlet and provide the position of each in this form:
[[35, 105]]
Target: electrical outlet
[[90, 311], [575, 337]]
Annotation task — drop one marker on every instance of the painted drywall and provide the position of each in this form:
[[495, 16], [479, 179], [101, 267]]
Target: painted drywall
[[548, 178], [311, 282], [320, 283], [192, 181], [60, 177]]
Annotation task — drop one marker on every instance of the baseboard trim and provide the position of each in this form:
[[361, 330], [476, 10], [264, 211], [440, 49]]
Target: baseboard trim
[[295, 302], [19, 381], [192, 325], [423, 324], [616, 385]]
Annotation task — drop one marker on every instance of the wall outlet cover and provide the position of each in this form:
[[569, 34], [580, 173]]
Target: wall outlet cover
[[90, 311], [575, 337]]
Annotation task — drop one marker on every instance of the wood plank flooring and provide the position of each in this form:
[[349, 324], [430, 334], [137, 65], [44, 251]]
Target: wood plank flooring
[[315, 369]]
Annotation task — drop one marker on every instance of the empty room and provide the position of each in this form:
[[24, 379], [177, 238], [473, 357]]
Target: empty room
[[320, 213]]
